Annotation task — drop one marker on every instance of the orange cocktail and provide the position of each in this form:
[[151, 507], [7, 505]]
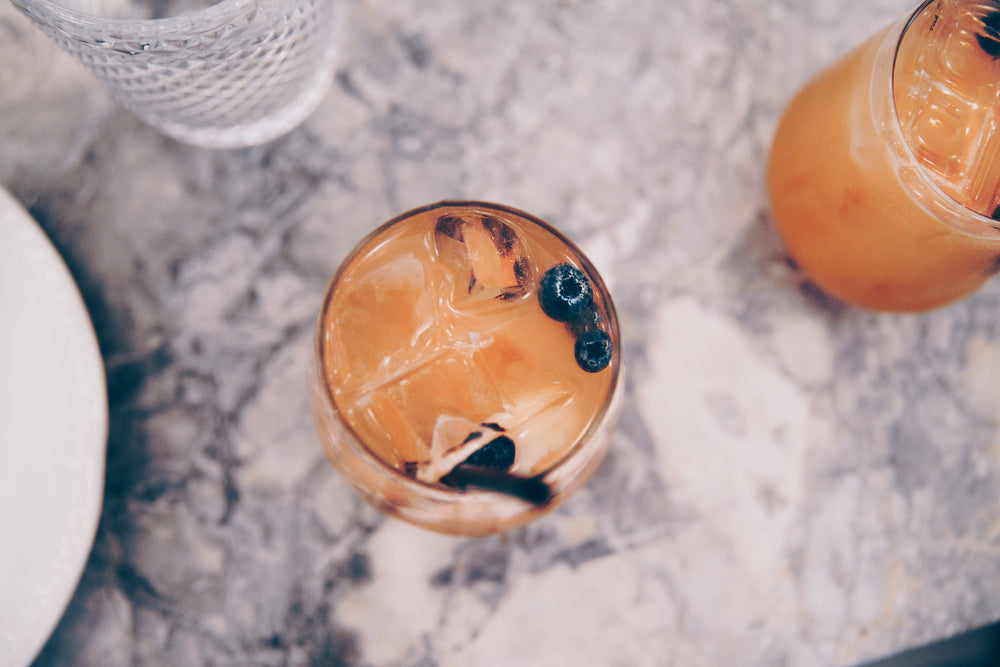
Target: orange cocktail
[[884, 174], [467, 370]]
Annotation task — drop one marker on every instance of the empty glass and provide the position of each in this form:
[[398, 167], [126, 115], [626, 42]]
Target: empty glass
[[222, 75]]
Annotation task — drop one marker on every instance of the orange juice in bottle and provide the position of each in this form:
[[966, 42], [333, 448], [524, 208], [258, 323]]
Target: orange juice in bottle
[[467, 370], [884, 174]]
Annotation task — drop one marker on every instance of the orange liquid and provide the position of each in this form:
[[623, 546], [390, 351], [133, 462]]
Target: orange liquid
[[417, 352], [843, 198]]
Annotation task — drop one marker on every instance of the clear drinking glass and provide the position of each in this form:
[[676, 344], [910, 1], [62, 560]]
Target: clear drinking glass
[[884, 175], [467, 370], [221, 74]]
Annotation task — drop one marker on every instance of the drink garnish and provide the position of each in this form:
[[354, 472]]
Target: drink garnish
[[990, 42], [487, 468], [565, 293], [497, 454], [593, 350], [530, 489]]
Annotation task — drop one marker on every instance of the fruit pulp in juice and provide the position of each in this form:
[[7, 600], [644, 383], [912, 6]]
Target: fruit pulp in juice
[[434, 337], [841, 191]]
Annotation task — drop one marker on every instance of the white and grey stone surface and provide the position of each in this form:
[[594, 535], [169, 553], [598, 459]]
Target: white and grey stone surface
[[794, 481]]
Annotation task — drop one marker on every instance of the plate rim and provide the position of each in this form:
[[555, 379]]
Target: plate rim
[[66, 564]]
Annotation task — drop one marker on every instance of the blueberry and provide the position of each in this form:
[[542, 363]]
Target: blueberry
[[589, 319], [565, 293], [991, 22], [990, 42], [497, 454], [990, 45], [593, 350]]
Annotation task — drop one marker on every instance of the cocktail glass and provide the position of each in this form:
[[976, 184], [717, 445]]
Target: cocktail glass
[[467, 371], [884, 175]]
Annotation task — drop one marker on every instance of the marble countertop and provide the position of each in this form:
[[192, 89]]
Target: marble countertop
[[793, 482]]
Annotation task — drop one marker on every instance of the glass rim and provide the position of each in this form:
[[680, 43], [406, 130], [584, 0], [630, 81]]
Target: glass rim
[[987, 226], [596, 422], [84, 25]]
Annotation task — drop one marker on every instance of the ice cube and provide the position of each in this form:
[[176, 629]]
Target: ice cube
[[485, 256], [406, 409], [387, 430], [545, 437], [525, 382], [530, 361], [385, 317], [946, 95], [545, 393], [412, 420]]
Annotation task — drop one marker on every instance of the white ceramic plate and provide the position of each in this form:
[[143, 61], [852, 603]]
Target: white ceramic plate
[[53, 435]]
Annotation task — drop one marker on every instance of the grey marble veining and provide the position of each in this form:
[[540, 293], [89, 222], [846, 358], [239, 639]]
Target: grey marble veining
[[794, 481]]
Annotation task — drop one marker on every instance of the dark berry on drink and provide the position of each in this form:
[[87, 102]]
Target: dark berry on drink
[[990, 42], [565, 293], [589, 319], [991, 23], [593, 350], [497, 454]]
